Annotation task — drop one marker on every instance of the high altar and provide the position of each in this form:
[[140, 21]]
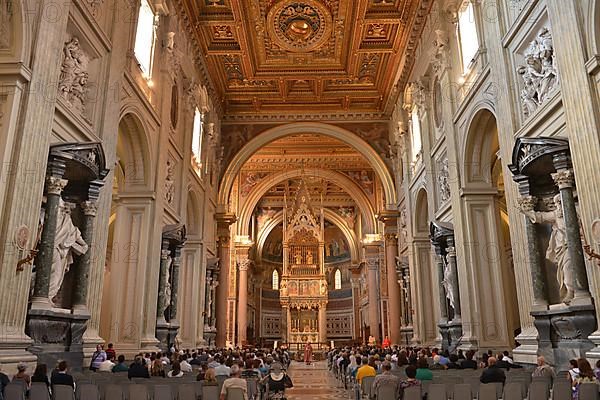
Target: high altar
[[303, 289]]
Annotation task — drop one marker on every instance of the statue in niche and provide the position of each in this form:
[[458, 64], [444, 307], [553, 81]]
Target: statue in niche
[[298, 258], [170, 183], [447, 283], [444, 181], [67, 242], [557, 247], [168, 283], [309, 258]]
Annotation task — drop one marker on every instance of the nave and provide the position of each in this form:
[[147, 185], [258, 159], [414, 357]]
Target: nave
[[315, 382]]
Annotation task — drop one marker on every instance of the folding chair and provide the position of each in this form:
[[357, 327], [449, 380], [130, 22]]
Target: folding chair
[[387, 393], [113, 392], [186, 392], [235, 394], [488, 391], [366, 385], [87, 391], [163, 392], [539, 390], [39, 391], [562, 390], [462, 391], [412, 393], [210, 393], [513, 391], [14, 391], [137, 392], [437, 391], [61, 392], [588, 391]]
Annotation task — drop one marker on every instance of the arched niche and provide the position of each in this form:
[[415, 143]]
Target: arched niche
[[421, 219], [278, 132], [357, 193], [330, 216], [133, 154], [480, 148], [193, 215]]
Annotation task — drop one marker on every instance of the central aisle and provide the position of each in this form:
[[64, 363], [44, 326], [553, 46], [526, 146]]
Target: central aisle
[[315, 382]]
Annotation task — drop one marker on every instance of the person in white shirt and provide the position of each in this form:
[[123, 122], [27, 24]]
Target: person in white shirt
[[506, 357], [185, 365], [106, 366], [222, 369]]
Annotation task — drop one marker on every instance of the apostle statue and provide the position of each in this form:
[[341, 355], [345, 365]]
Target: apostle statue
[[557, 247], [298, 258], [448, 284], [309, 258], [67, 242]]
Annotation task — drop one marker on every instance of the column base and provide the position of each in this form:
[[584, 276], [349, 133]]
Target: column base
[[527, 351], [594, 353], [563, 333], [451, 332], [57, 335], [13, 350], [166, 332], [406, 334]]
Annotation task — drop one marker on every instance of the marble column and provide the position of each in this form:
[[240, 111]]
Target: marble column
[[355, 307], [162, 281], [391, 252], [242, 324], [176, 265], [372, 285], [43, 262], [540, 302], [451, 260], [565, 180], [323, 322], [82, 266]]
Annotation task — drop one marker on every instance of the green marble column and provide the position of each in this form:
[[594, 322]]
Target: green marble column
[[565, 180], [174, 283], [442, 290], [451, 259], [43, 261], [82, 266], [527, 204]]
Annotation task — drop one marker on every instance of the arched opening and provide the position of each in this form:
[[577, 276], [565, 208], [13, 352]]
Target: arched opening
[[427, 310], [489, 252], [129, 226], [275, 280], [337, 279]]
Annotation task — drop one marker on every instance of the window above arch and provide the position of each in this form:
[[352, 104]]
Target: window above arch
[[197, 133], [466, 31], [275, 280], [145, 38], [337, 279]]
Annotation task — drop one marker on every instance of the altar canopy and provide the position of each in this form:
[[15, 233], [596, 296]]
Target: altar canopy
[[303, 289]]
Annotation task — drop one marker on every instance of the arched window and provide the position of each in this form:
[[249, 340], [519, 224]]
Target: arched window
[[275, 280], [197, 140], [145, 38], [337, 280], [467, 35], [415, 125]]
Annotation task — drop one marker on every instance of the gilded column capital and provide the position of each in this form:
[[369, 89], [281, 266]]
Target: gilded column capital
[[244, 265], [564, 178], [55, 185], [391, 239]]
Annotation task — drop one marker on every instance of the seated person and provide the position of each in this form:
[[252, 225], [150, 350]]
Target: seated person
[[492, 373], [234, 382], [138, 369], [61, 377], [411, 379], [276, 382], [423, 371], [365, 370], [387, 379], [120, 366]]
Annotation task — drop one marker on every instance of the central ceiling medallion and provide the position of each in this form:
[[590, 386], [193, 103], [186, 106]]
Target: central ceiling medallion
[[299, 26]]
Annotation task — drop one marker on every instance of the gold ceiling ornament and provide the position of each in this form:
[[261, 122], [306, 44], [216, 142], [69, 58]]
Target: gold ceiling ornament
[[299, 26]]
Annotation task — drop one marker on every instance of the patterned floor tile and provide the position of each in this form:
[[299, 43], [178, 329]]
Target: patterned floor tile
[[315, 382]]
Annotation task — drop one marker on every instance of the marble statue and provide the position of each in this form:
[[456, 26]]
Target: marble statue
[[557, 247], [168, 282], [74, 74], [540, 73], [67, 242], [448, 284]]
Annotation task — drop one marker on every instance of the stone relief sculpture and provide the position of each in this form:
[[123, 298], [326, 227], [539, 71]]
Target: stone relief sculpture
[[170, 183], [68, 241], [540, 73], [444, 181], [73, 81], [557, 247]]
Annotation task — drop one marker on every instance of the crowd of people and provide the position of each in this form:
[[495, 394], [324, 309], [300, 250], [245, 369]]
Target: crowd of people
[[232, 367], [358, 363]]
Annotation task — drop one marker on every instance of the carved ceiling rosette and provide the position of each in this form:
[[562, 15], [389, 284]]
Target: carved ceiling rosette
[[299, 26]]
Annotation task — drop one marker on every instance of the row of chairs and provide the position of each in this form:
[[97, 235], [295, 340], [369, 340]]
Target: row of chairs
[[114, 391], [537, 390]]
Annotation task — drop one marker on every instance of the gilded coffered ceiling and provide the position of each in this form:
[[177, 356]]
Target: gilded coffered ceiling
[[293, 58]]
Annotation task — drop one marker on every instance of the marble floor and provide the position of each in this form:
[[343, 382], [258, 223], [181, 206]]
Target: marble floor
[[315, 382]]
